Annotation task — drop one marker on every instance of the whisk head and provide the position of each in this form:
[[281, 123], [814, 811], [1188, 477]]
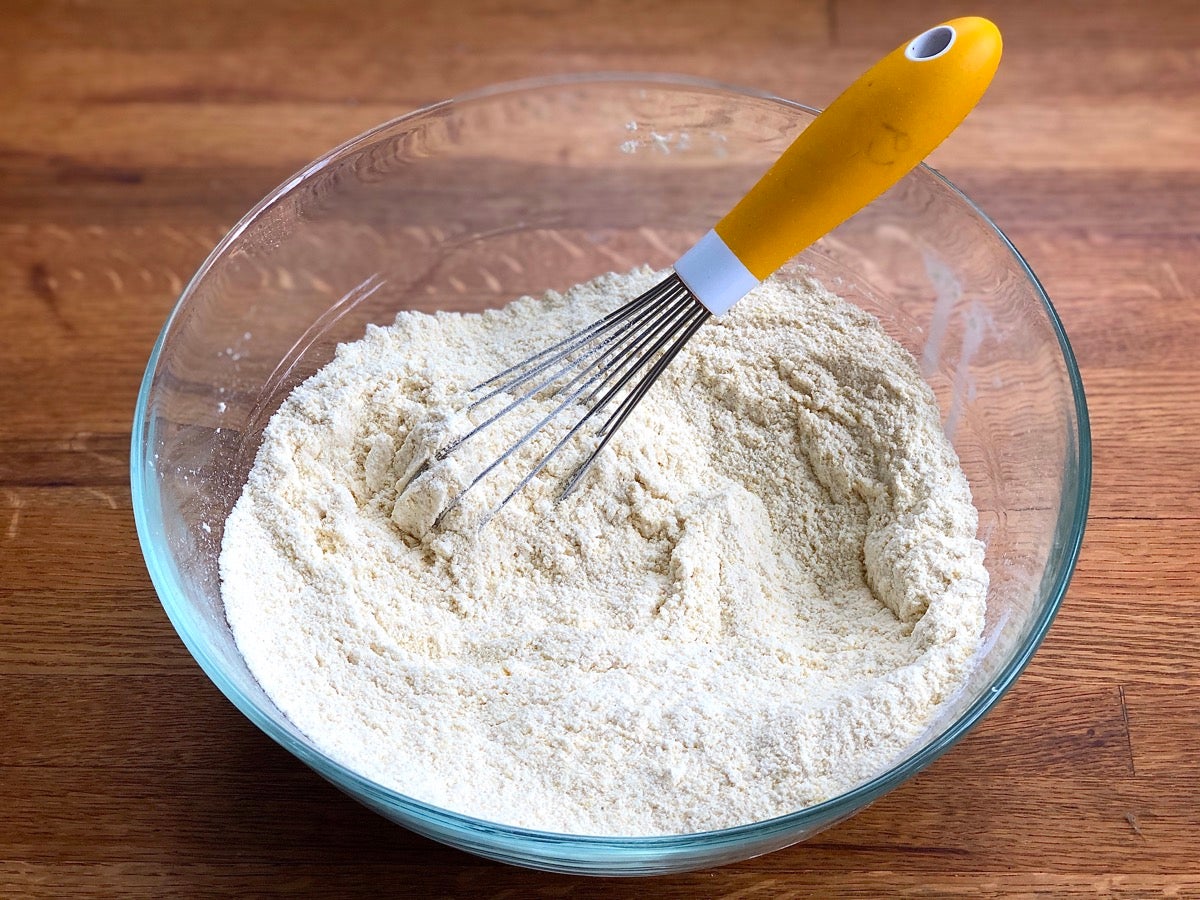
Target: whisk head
[[591, 380]]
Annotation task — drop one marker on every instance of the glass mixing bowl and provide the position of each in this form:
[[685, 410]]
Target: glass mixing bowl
[[518, 189]]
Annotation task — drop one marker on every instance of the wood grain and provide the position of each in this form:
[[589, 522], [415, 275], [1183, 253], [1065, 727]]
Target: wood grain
[[132, 135]]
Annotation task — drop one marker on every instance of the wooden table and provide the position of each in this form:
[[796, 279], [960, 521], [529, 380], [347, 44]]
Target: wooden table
[[133, 134]]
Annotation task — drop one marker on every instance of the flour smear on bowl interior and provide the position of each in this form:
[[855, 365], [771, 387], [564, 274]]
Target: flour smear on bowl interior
[[759, 597]]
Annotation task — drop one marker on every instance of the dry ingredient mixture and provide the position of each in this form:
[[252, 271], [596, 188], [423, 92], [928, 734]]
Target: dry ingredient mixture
[[759, 598]]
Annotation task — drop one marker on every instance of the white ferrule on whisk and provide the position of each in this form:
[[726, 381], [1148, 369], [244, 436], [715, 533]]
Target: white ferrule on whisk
[[714, 274]]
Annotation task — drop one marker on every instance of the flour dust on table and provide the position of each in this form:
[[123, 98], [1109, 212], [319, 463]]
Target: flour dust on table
[[760, 596]]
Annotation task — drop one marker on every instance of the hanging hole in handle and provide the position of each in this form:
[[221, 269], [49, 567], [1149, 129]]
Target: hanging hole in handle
[[932, 44]]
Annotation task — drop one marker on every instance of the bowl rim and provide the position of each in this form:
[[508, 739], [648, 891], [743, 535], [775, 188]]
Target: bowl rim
[[1063, 555]]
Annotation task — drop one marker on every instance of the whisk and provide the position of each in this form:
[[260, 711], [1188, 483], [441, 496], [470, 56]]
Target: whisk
[[866, 140]]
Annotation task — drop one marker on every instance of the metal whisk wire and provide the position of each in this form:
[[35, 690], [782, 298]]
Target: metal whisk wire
[[589, 370]]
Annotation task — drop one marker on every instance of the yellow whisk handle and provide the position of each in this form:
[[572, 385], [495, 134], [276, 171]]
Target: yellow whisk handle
[[885, 123]]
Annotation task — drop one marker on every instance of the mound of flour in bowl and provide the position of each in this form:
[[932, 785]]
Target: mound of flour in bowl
[[759, 597]]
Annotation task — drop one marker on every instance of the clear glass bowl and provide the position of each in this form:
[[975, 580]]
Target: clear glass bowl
[[514, 190]]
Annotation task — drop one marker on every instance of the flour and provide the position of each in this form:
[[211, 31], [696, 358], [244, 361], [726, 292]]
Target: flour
[[759, 597]]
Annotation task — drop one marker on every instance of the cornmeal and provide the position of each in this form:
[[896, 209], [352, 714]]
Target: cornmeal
[[759, 596]]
